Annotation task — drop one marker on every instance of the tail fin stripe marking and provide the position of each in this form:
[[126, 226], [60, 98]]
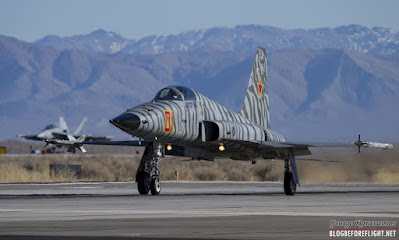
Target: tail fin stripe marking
[[256, 102]]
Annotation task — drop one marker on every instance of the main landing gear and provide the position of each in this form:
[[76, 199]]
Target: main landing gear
[[290, 174], [148, 177], [289, 183]]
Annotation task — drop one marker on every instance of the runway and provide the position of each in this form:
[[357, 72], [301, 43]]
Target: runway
[[196, 210]]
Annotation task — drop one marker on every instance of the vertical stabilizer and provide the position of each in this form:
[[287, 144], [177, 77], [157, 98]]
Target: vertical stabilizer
[[63, 125], [77, 131], [256, 102]]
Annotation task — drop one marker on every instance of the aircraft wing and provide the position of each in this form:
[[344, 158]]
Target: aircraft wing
[[30, 137], [90, 138], [272, 145], [359, 144], [300, 145], [274, 148], [61, 136], [117, 143], [267, 144], [270, 149], [73, 142]]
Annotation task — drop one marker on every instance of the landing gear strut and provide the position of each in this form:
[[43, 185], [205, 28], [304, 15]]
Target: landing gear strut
[[148, 177]]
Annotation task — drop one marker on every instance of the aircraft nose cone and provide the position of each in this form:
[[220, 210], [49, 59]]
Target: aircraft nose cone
[[41, 136], [126, 121]]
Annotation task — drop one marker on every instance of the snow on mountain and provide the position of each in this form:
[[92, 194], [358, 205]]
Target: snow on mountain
[[99, 41], [242, 38]]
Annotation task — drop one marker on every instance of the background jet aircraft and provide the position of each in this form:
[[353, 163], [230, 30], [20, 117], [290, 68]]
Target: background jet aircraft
[[61, 132], [182, 122]]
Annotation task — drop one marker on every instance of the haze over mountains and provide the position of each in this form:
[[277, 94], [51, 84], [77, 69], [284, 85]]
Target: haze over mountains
[[324, 84]]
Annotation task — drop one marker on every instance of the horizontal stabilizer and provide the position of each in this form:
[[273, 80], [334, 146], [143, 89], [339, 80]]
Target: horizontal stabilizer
[[82, 149], [72, 142], [81, 138]]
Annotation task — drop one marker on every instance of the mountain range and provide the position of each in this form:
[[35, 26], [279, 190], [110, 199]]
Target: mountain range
[[324, 84], [238, 39]]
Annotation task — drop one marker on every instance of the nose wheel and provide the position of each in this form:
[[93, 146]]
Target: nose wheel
[[155, 185]]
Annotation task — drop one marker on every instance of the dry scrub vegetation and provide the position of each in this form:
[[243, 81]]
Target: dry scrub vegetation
[[371, 165], [36, 168], [17, 169], [368, 166]]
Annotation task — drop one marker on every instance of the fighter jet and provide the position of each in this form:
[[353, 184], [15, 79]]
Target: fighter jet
[[180, 121], [61, 132]]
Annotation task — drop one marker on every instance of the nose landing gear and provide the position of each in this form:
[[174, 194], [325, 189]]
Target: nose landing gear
[[148, 176]]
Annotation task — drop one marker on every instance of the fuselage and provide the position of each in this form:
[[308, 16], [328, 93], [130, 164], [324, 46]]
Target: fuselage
[[182, 116], [50, 132]]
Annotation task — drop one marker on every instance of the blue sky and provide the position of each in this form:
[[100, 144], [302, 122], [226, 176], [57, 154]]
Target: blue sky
[[31, 20]]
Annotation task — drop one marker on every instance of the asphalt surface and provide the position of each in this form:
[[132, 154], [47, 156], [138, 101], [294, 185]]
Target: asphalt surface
[[195, 210]]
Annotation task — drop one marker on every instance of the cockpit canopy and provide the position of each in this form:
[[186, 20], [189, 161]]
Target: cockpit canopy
[[178, 93], [51, 126]]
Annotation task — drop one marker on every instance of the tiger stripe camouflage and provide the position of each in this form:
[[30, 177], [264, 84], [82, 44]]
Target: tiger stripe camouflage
[[256, 102]]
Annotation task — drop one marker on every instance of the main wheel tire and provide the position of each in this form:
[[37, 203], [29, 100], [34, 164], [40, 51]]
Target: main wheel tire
[[289, 183], [155, 186], [143, 182]]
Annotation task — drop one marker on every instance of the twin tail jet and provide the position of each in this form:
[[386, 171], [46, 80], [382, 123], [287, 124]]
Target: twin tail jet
[[61, 132], [180, 121]]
